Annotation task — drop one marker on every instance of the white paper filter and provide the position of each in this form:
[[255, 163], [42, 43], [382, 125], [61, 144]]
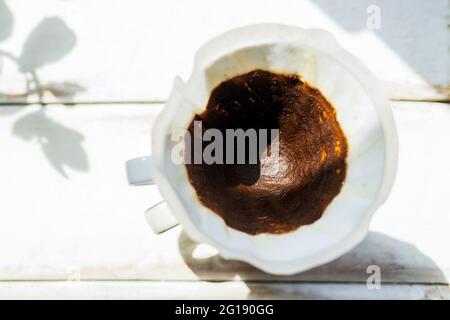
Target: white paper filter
[[362, 111]]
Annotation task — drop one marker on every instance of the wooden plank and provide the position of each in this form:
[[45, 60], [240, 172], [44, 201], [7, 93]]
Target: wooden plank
[[87, 51], [214, 290], [67, 211]]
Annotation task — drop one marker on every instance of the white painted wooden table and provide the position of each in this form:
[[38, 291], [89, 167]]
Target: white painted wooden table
[[67, 213]]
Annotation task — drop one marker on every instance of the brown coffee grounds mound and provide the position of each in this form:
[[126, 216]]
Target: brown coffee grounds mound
[[269, 197]]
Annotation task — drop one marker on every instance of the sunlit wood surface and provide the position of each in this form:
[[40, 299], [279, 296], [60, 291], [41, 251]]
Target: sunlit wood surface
[[67, 215]]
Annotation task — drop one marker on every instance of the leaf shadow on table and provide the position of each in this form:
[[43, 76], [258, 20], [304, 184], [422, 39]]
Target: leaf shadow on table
[[47, 43], [6, 21], [399, 262], [61, 145], [411, 28]]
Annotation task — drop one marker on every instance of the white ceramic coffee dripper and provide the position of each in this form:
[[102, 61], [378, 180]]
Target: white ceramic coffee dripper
[[361, 108]]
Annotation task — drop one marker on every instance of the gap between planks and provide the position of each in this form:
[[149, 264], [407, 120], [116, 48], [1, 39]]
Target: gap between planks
[[157, 102]]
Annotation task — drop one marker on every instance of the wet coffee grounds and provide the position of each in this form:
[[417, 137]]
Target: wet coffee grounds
[[275, 195]]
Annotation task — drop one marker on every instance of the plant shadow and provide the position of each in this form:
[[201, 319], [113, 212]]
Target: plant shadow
[[62, 146], [49, 42], [6, 21]]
